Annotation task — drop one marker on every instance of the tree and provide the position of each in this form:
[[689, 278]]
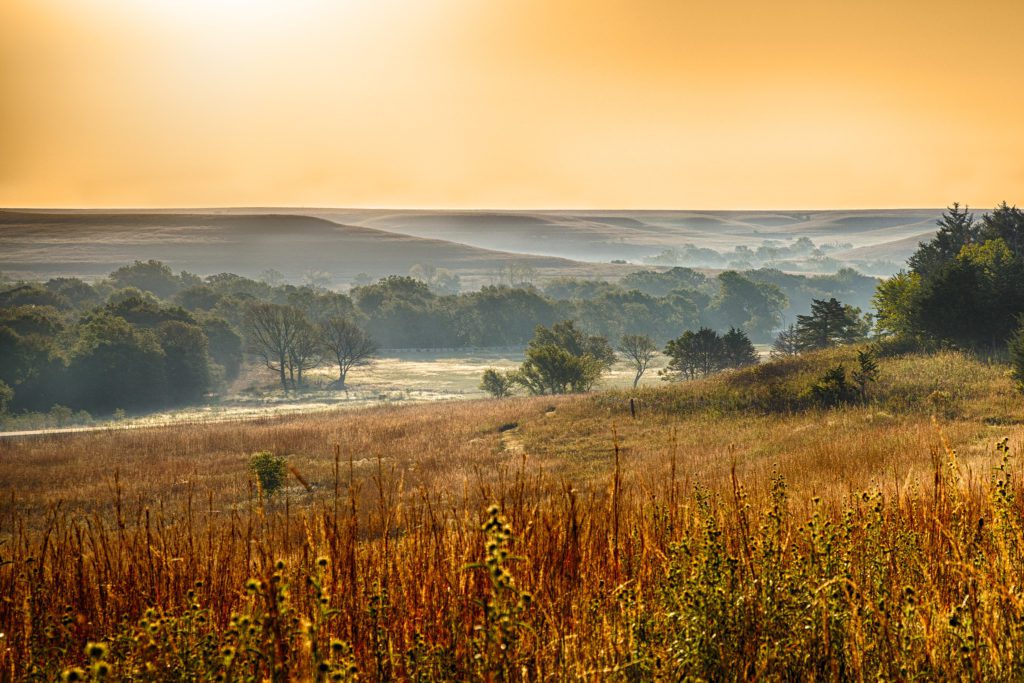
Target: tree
[[561, 359], [1005, 223], [957, 229], [186, 361], [738, 349], [966, 286], [272, 330], [550, 369], [829, 323], [639, 349], [694, 353], [567, 336], [787, 343], [348, 343], [149, 276], [896, 301], [865, 373], [749, 305], [32, 295], [223, 344], [497, 384], [114, 365], [305, 352]]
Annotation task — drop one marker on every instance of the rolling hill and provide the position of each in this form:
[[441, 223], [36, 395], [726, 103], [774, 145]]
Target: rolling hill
[[46, 244]]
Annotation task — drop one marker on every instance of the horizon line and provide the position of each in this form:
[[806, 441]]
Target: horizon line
[[461, 209]]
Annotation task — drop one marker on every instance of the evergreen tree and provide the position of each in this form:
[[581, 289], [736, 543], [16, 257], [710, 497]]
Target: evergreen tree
[[957, 229], [738, 349], [829, 323]]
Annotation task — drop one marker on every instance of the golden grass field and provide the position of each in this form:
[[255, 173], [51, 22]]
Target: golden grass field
[[724, 533]]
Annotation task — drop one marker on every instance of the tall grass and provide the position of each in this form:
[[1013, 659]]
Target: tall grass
[[710, 543]]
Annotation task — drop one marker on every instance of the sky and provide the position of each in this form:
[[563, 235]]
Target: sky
[[518, 104]]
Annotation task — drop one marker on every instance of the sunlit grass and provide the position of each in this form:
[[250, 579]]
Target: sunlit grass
[[647, 545]]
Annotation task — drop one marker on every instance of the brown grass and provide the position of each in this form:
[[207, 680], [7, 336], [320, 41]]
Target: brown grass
[[97, 528]]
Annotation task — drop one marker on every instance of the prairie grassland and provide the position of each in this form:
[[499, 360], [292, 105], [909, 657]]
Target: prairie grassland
[[730, 531]]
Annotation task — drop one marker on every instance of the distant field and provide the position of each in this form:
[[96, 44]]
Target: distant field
[[395, 378]]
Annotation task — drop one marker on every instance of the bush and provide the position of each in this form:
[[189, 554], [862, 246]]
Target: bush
[[497, 384], [271, 471], [832, 389]]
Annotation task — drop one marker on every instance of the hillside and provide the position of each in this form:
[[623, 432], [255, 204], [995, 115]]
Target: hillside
[[50, 244], [728, 511], [605, 235], [477, 245]]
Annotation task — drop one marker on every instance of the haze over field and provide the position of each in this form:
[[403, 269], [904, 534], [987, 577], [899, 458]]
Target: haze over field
[[477, 245]]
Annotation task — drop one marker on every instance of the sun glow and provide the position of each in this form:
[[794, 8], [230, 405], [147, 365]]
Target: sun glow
[[532, 103]]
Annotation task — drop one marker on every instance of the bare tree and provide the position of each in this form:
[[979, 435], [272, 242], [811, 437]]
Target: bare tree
[[640, 350], [787, 343], [305, 353], [272, 330], [348, 343]]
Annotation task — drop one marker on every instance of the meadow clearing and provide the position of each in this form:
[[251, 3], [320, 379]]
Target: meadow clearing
[[394, 377], [729, 531]]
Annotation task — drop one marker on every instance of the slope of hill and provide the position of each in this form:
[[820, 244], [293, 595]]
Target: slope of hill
[[46, 244], [476, 244], [604, 235]]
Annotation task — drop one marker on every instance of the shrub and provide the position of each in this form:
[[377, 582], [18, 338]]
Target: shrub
[[270, 470], [497, 384], [832, 389]]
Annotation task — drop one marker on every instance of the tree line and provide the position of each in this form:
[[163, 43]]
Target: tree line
[[146, 337]]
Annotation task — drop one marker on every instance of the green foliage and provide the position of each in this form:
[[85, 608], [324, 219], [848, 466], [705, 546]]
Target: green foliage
[[551, 369], [866, 372], [269, 638], [562, 359], [497, 384], [746, 304], [499, 638], [739, 351], [701, 353], [966, 286], [32, 295], [224, 344], [833, 389], [271, 471], [114, 365], [186, 362], [957, 229], [149, 276], [828, 324]]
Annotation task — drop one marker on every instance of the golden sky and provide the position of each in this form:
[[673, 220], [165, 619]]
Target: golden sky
[[511, 103]]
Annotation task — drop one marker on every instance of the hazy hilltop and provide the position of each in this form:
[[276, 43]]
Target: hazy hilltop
[[86, 243], [340, 244], [604, 235]]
